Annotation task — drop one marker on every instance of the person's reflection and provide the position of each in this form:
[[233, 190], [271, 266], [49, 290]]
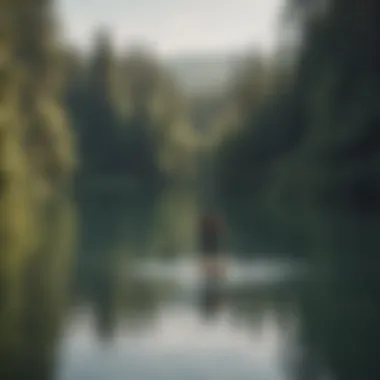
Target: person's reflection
[[105, 305], [212, 266], [211, 299]]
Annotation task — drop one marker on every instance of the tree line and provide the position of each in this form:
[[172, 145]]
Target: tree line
[[131, 119], [291, 139], [306, 144]]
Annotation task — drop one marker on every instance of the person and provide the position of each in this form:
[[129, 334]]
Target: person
[[212, 229]]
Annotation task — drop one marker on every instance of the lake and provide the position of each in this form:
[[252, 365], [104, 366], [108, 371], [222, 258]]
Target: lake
[[176, 330], [116, 294]]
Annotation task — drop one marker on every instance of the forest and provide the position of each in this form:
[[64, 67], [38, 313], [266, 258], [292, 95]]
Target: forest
[[306, 150], [293, 137], [290, 149]]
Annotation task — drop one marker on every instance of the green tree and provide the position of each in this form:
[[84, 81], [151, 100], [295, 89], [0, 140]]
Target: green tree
[[101, 124]]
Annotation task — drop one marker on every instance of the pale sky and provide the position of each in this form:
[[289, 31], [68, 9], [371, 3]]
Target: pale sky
[[175, 26]]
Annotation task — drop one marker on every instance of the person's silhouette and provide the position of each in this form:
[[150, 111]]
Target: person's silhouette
[[211, 232], [210, 301]]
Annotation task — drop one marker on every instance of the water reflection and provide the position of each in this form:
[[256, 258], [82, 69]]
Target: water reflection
[[30, 332], [210, 301], [191, 332], [341, 325], [121, 312], [175, 222]]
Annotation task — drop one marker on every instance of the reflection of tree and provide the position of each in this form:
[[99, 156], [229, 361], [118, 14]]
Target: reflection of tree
[[118, 296], [175, 222], [113, 223], [28, 334], [341, 325], [114, 231], [115, 234], [253, 304], [140, 301], [341, 310]]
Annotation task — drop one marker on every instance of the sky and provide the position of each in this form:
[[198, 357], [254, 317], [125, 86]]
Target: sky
[[173, 27]]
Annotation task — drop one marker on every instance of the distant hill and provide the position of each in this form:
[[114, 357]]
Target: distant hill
[[202, 73]]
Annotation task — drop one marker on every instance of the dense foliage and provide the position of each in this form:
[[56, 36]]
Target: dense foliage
[[312, 148], [129, 116], [37, 150]]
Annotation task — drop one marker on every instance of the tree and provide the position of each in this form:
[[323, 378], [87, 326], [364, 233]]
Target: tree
[[101, 121]]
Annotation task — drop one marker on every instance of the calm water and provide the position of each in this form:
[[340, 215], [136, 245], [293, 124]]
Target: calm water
[[116, 294], [175, 330]]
